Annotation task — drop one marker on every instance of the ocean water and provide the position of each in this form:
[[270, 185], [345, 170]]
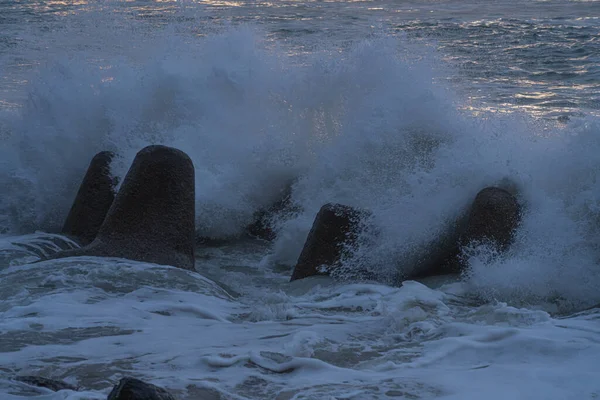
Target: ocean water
[[405, 108]]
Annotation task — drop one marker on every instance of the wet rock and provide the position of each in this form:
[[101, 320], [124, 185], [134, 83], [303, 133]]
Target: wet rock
[[152, 217], [439, 257], [334, 231], [94, 198], [215, 242], [134, 389], [494, 216], [52, 384], [262, 227]]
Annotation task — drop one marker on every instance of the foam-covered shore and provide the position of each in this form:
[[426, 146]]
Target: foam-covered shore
[[90, 320]]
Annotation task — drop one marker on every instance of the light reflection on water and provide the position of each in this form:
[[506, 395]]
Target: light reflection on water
[[501, 56]]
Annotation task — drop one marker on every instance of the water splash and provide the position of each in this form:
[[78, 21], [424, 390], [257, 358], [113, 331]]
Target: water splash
[[371, 127]]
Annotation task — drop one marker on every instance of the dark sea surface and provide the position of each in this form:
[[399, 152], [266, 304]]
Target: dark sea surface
[[537, 56]]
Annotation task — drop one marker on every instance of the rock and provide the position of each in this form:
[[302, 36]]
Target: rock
[[335, 229], [262, 227], [47, 383], [94, 198], [152, 218], [134, 389], [207, 241], [438, 257], [494, 216]]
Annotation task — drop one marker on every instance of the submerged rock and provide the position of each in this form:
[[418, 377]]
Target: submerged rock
[[334, 230], [494, 216], [134, 389], [52, 384], [94, 198], [152, 217]]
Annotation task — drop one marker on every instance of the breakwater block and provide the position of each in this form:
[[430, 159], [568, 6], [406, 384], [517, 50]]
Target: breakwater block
[[152, 218], [134, 389], [334, 232], [494, 216], [94, 198]]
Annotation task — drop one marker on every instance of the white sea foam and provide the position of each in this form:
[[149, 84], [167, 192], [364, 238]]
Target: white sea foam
[[91, 320], [373, 126]]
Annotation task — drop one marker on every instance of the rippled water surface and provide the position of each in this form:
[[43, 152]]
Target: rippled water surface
[[537, 56]]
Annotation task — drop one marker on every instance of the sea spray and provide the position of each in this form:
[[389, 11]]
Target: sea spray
[[372, 127]]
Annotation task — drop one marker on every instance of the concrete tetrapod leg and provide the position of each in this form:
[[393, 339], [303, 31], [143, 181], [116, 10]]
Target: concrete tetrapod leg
[[334, 229], [135, 389], [94, 198], [494, 217], [262, 227], [153, 215]]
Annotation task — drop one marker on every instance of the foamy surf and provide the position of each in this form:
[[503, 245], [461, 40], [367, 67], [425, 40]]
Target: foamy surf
[[84, 320], [369, 123]]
